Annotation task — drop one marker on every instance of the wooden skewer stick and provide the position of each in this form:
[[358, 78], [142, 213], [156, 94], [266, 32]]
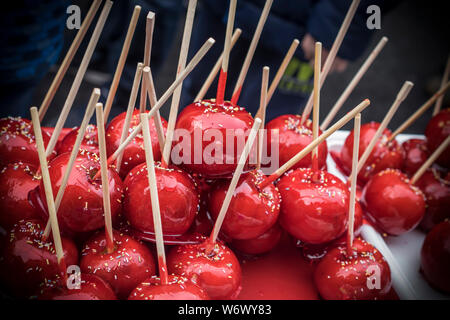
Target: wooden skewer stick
[[105, 180], [151, 174], [251, 51], [47, 187], [79, 77], [226, 54], [332, 54], [352, 85], [192, 64], [68, 59], [401, 96], [438, 105], [261, 114], [299, 156], [215, 70], [149, 28], [121, 63], [351, 211], [436, 154], [177, 94], [130, 110], [419, 112], [287, 58], [73, 155], [147, 76], [316, 94], [235, 180]]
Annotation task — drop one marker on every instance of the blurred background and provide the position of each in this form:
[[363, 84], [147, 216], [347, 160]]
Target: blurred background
[[417, 50]]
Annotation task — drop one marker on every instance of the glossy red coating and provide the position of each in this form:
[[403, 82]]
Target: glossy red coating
[[178, 199], [438, 129], [133, 153], [129, 264], [313, 211], [251, 212], [261, 244], [416, 153], [202, 123], [392, 203], [89, 142], [343, 276]]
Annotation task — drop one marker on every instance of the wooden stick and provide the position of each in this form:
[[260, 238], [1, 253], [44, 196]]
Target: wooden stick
[[287, 58], [401, 96], [147, 76], [226, 53], [121, 63], [436, 154], [352, 85], [299, 156], [261, 114], [419, 112], [149, 27], [104, 174], [192, 64], [215, 70], [438, 105], [73, 155], [130, 110], [177, 94], [332, 54], [316, 94], [68, 59], [251, 52], [47, 186], [234, 180], [151, 175], [351, 211], [79, 77]]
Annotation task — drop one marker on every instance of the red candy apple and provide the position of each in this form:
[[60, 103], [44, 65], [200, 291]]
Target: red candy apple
[[261, 244], [213, 267], [361, 275], [17, 180], [28, 263], [438, 129], [314, 205], [293, 137], [81, 208], [251, 212], [437, 193], [130, 263], [392, 203], [134, 153], [435, 257], [416, 153], [89, 142], [214, 133]]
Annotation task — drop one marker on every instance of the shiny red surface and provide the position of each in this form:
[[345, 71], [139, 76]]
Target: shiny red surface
[[313, 211], [261, 244], [29, 264], [437, 192], [343, 276], [92, 288], [293, 138], [89, 142], [416, 153], [383, 155], [81, 208], [178, 288], [213, 267], [251, 212], [205, 118], [392, 203], [17, 142], [438, 129], [17, 179], [134, 153], [435, 257], [178, 199], [128, 265]]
